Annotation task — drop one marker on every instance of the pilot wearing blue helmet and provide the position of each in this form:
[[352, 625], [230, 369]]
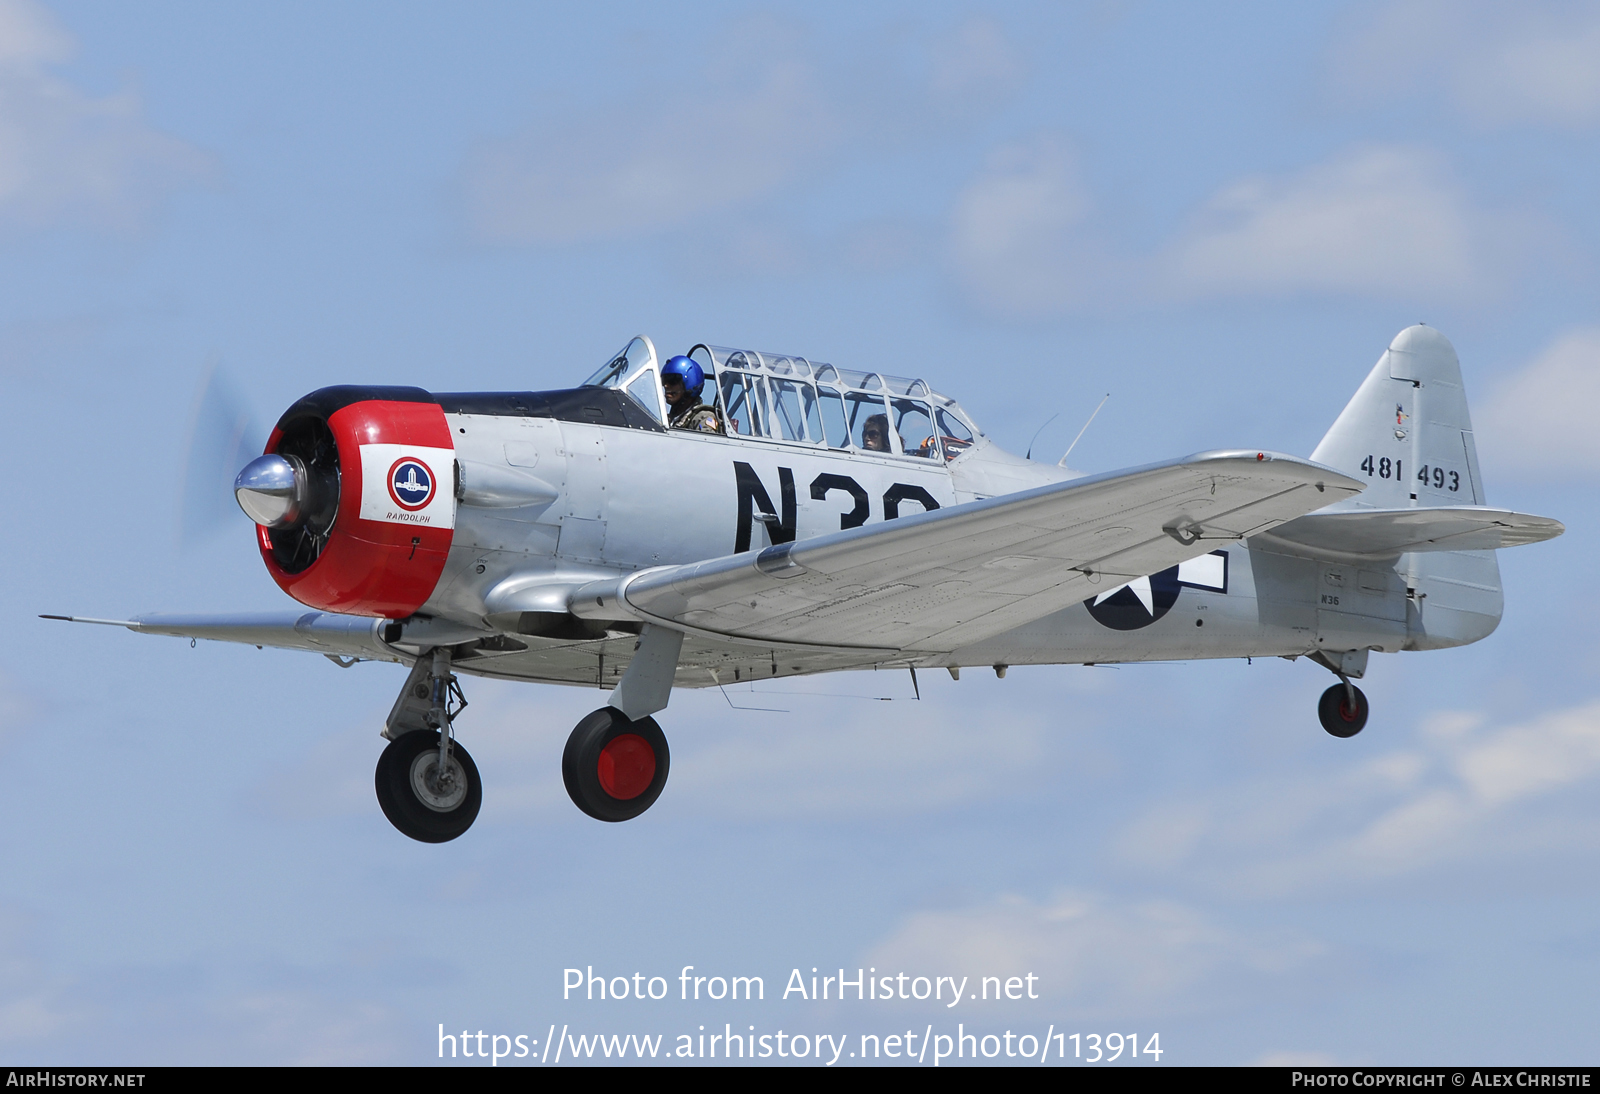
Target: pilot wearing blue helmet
[[682, 380]]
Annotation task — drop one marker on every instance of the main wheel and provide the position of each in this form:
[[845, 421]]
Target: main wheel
[[416, 799], [1336, 713], [614, 769]]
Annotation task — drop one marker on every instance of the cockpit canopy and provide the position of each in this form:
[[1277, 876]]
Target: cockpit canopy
[[789, 399]]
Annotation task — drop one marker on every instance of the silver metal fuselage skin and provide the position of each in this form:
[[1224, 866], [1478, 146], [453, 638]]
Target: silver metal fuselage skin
[[630, 499]]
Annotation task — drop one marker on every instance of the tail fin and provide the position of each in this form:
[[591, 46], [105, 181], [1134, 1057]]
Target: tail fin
[[1407, 433], [1408, 436]]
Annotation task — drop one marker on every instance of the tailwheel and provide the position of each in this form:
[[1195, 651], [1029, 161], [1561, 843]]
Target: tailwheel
[[1343, 710], [615, 768], [425, 803]]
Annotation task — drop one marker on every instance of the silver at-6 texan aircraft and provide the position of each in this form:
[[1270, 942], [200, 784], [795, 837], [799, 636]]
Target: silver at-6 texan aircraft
[[816, 520]]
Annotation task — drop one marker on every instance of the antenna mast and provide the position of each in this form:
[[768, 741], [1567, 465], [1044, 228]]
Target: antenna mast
[[1063, 461]]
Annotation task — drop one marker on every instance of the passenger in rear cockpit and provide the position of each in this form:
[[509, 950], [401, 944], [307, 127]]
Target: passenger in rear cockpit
[[875, 433], [682, 380]]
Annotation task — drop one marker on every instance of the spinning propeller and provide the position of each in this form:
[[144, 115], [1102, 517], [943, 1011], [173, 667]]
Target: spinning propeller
[[224, 435]]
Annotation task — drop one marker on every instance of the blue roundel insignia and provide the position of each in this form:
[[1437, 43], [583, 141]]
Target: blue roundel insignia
[[411, 483], [1138, 603]]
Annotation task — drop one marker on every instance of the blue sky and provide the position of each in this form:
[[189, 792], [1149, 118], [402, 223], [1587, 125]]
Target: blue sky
[[1220, 214]]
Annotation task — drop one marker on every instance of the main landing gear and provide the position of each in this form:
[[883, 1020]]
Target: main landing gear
[[1342, 710], [615, 767], [615, 764], [616, 760], [427, 784], [423, 800]]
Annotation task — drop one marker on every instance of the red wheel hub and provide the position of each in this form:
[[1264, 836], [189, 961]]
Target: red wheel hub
[[627, 766]]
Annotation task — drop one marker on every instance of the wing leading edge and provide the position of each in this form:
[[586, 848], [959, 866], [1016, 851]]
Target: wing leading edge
[[939, 581], [316, 632]]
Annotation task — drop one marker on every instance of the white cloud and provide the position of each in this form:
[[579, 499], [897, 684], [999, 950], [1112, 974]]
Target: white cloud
[[1464, 794], [1374, 220], [29, 36], [837, 755], [162, 1009], [1016, 232], [768, 117], [1499, 63], [1379, 219], [305, 1028], [330, 778], [1541, 418], [1560, 749], [871, 765], [1096, 955], [32, 1004], [653, 163], [249, 1012], [67, 157], [975, 65]]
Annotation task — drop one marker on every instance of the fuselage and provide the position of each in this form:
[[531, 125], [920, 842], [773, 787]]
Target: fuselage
[[629, 498]]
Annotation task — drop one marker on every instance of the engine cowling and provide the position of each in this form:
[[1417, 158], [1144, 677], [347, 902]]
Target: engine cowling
[[357, 492]]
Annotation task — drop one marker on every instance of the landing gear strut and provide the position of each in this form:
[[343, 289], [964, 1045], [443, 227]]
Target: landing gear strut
[[427, 784]]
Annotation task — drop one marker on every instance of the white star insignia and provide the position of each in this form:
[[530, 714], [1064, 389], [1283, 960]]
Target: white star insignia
[[1141, 589]]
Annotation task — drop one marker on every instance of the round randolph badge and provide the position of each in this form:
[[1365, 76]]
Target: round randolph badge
[[411, 483]]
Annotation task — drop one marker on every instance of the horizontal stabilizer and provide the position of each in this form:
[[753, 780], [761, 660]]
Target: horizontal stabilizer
[[1388, 533]]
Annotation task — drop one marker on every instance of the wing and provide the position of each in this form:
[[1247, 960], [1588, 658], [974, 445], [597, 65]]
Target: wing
[[942, 580], [928, 583], [318, 632], [595, 663], [1387, 533]]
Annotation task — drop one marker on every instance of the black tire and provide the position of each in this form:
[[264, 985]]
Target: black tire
[[405, 762], [1334, 711], [627, 765]]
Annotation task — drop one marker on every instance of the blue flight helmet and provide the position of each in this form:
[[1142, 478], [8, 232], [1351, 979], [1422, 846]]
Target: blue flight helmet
[[693, 377]]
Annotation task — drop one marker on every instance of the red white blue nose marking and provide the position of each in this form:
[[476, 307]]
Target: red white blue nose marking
[[411, 483], [401, 484]]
